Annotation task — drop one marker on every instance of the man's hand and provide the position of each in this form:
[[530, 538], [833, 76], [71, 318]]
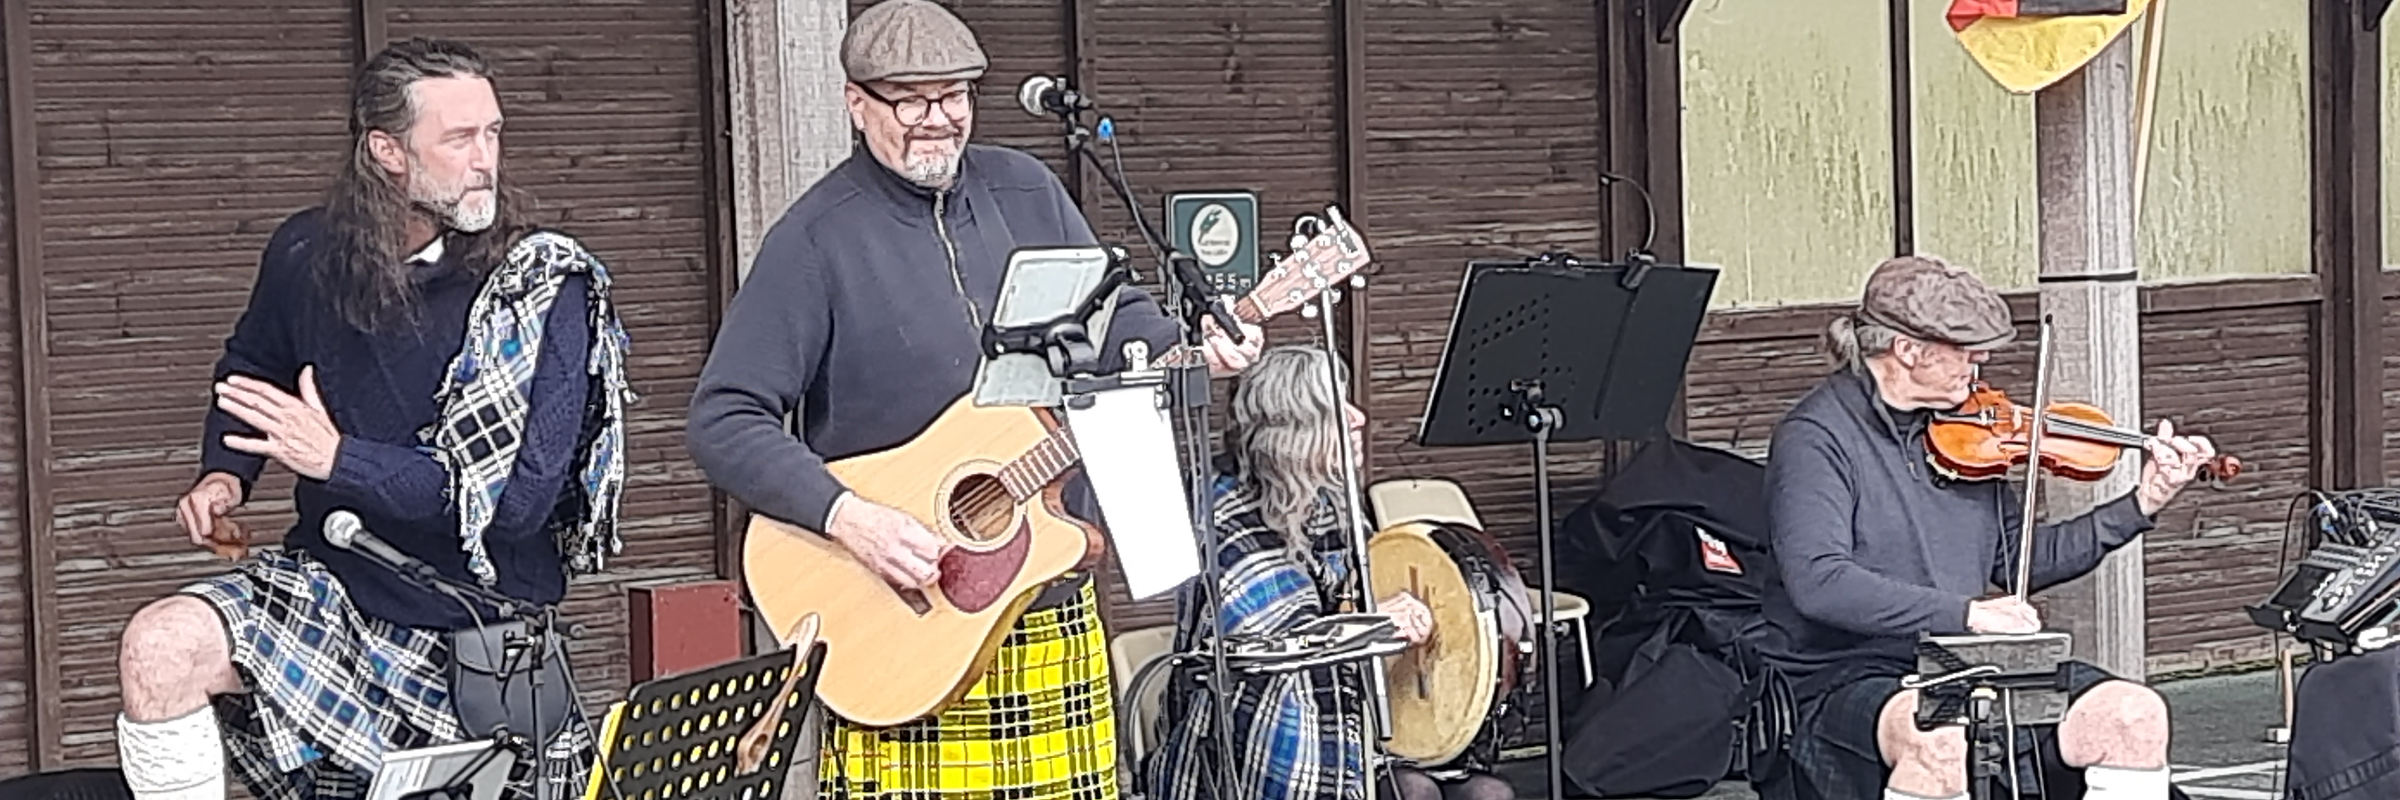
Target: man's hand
[[1224, 356], [216, 495], [2003, 615], [294, 430], [1414, 620], [2172, 463], [892, 544]]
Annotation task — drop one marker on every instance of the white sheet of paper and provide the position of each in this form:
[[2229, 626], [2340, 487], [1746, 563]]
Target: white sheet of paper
[[1129, 453]]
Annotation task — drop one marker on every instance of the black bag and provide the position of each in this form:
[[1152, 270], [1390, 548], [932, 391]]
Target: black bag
[[494, 681], [1688, 692]]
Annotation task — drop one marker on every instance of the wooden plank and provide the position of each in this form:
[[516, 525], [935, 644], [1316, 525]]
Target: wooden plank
[[2083, 129], [1077, 24], [1350, 53], [2345, 143], [724, 253], [33, 380], [373, 20], [1904, 171]]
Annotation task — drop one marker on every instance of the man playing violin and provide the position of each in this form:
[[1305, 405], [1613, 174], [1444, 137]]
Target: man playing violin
[[1875, 548]]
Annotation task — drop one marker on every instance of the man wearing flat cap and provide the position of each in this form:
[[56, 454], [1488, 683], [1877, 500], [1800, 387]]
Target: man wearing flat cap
[[1875, 547], [860, 323]]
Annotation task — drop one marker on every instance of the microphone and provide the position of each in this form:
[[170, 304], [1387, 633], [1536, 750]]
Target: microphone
[[344, 530], [1043, 95]]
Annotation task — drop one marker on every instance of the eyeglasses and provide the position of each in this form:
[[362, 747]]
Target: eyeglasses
[[912, 109]]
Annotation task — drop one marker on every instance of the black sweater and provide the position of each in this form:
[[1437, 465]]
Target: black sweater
[[379, 391], [1873, 548], [852, 321]]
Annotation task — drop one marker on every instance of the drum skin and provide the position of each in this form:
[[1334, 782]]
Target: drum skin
[[1444, 690]]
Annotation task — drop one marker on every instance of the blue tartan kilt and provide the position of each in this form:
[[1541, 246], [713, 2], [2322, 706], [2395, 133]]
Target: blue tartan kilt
[[330, 690]]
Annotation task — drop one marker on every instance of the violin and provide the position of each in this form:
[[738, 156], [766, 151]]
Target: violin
[[1988, 434]]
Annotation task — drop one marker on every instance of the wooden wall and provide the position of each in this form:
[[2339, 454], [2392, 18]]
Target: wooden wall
[[158, 146]]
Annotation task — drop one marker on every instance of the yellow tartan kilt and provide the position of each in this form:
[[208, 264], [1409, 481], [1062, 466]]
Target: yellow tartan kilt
[[1041, 725]]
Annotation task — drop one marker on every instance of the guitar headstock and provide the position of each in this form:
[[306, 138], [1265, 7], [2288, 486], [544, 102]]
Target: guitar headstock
[[1326, 251]]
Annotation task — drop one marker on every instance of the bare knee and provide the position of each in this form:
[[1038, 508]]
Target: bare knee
[[172, 656], [1924, 763], [2117, 724]]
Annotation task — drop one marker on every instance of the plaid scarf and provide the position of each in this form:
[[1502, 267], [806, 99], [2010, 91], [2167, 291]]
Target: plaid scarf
[[484, 401]]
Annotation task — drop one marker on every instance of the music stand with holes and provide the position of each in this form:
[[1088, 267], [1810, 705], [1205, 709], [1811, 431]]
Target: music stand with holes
[[681, 737], [1552, 349]]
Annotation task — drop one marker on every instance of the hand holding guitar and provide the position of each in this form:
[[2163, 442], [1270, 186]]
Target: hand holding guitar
[[889, 542], [1225, 358]]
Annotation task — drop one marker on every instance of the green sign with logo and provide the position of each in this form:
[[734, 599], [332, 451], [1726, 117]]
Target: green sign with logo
[[1220, 230]]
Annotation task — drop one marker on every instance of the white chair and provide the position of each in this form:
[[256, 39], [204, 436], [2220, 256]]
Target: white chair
[[1136, 661], [1421, 500]]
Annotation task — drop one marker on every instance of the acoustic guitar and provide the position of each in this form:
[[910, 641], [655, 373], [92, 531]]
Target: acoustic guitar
[[986, 479]]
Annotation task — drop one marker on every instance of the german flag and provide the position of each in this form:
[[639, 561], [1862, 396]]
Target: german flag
[[2026, 45], [1965, 12]]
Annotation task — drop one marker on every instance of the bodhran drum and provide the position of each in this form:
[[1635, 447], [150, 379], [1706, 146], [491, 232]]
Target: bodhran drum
[[1445, 690]]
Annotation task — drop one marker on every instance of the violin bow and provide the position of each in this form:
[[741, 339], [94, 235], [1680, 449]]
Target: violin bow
[[2033, 460]]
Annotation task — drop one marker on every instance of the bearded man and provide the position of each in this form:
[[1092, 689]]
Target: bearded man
[[859, 324], [443, 375]]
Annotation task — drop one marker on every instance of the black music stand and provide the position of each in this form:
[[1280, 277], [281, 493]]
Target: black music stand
[[683, 736], [1551, 349], [1991, 684]]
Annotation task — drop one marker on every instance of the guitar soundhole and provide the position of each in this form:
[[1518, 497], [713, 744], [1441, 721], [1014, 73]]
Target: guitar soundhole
[[982, 509]]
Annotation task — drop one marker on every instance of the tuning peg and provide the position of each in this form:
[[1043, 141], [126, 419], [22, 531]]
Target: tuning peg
[[1358, 281], [1308, 311]]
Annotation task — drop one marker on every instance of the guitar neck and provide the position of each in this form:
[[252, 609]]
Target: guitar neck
[[1026, 476], [1046, 461]]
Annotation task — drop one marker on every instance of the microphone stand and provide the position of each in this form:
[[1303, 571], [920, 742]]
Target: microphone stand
[[1189, 387], [540, 620]]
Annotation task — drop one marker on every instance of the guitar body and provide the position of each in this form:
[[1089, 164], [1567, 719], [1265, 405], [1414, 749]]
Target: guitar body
[[893, 657]]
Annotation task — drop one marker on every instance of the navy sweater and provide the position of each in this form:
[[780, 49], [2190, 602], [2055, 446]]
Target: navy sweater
[[1873, 548], [379, 391], [853, 321]]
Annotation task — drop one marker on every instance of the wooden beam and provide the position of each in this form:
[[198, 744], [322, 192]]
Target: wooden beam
[[372, 20], [722, 263], [1078, 26], [2346, 206], [1350, 57], [1641, 137], [1904, 170], [40, 566], [2089, 286]]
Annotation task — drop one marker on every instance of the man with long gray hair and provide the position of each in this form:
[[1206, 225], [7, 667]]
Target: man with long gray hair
[[1875, 547], [1284, 558], [440, 375]]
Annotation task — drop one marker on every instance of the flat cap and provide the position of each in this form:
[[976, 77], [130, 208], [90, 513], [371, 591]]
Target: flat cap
[[1930, 299], [909, 41]]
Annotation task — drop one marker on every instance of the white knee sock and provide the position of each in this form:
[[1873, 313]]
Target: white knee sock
[[2120, 783], [175, 759]]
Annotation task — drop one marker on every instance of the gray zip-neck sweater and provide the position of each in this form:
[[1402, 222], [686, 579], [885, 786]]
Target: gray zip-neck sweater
[[1875, 548], [862, 317]]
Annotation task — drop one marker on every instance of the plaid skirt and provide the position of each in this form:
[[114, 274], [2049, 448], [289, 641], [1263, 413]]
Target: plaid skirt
[[331, 690], [1041, 725]]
